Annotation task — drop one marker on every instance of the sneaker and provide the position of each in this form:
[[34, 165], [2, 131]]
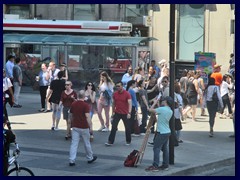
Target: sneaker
[[94, 159], [150, 143], [52, 128], [142, 134], [41, 110], [135, 135], [210, 134], [105, 129], [152, 168], [164, 167], [71, 164], [127, 144], [232, 136], [101, 128], [17, 106], [108, 144], [56, 129], [180, 141], [91, 138], [47, 111]]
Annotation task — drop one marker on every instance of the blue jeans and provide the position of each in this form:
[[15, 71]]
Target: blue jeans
[[161, 143], [115, 122]]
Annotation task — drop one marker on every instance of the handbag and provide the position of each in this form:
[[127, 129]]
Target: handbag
[[215, 96], [215, 99]]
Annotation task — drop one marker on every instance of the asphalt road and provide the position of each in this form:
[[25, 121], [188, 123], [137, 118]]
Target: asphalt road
[[221, 171]]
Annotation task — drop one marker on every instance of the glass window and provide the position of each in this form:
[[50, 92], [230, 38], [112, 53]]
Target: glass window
[[136, 10], [22, 10], [84, 12], [191, 31]]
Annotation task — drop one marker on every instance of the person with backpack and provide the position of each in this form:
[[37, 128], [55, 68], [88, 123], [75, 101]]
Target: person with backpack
[[212, 105], [104, 102]]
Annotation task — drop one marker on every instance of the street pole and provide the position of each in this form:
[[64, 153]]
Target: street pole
[[172, 79]]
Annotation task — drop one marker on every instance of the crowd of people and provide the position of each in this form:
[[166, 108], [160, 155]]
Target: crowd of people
[[136, 94]]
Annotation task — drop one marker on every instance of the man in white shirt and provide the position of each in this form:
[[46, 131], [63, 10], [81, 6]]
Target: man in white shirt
[[127, 77]]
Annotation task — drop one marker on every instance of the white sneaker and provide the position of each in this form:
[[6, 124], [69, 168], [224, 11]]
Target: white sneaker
[[135, 135], [142, 134], [105, 129], [101, 128], [127, 144]]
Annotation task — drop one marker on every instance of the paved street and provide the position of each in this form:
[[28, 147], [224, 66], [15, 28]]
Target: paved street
[[46, 152]]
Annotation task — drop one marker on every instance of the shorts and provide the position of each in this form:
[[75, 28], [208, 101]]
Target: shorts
[[66, 113], [56, 110]]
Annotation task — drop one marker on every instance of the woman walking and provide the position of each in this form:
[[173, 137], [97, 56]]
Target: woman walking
[[224, 89], [212, 106], [44, 81], [192, 93], [68, 96], [105, 90], [90, 99]]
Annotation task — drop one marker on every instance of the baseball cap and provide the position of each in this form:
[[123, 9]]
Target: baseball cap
[[168, 99]]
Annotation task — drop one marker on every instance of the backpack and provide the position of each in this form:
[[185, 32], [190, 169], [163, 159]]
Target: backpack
[[215, 96], [131, 159]]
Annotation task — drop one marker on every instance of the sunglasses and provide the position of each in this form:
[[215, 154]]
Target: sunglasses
[[164, 81], [117, 86], [67, 84], [89, 84]]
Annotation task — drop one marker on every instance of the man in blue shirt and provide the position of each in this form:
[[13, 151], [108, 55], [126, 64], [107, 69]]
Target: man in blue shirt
[[9, 67], [127, 76], [162, 134], [156, 68]]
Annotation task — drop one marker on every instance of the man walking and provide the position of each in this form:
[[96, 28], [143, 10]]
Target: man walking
[[17, 82], [162, 134], [121, 109], [9, 68], [81, 128], [217, 75]]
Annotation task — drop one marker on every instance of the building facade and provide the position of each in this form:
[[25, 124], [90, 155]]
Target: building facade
[[199, 27]]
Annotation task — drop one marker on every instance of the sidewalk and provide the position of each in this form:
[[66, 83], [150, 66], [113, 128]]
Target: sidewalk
[[46, 152]]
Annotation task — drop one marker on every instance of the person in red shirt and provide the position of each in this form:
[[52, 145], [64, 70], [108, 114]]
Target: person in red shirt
[[81, 128], [121, 109], [217, 75], [68, 96]]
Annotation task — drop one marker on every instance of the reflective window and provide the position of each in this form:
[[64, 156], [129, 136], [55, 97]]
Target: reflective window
[[21, 9], [84, 12], [191, 30], [136, 10]]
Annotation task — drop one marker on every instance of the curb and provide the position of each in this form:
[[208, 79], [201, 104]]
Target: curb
[[205, 167]]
